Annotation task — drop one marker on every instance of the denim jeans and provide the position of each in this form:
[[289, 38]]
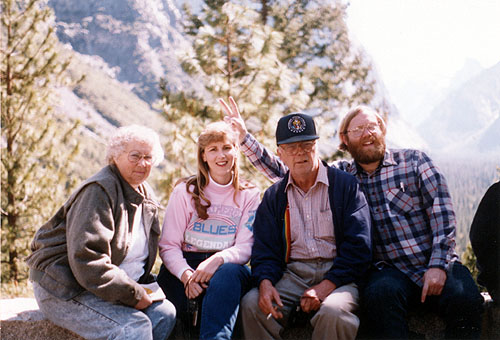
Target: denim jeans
[[221, 300], [389, 294], [94, 318]]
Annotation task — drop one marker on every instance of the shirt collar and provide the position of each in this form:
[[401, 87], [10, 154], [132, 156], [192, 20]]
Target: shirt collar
[[389, 158], [216, 186]]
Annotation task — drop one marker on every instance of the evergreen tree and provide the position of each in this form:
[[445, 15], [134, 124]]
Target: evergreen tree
[[273, 57], [317, 45], [35, 147], [234, 54], [469, 260]]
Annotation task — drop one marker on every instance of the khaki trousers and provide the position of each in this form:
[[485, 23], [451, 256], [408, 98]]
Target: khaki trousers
[[334, 319]]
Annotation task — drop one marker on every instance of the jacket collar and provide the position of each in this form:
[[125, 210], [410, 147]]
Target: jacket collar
[[130, 194]]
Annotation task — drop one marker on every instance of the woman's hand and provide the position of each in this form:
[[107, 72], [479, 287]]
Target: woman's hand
[[191, 289], [144, 302], [206, 269], [186, 276]]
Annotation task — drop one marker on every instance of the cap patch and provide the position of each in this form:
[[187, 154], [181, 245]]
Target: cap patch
[[296, 124]]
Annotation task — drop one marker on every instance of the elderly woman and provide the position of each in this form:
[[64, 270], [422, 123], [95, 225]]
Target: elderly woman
[[90, 260]]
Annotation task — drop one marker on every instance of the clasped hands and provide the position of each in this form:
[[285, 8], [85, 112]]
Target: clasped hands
[[195, 282]]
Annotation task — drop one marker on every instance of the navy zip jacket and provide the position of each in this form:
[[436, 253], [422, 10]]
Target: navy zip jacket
[[351, 223]]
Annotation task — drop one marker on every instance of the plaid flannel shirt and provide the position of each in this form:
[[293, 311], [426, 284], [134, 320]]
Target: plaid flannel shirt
[[411, 208]]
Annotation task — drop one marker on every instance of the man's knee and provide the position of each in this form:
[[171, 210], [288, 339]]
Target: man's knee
[[383, 291], [460, 290], [335, 312], [336, 322], [339, 309]]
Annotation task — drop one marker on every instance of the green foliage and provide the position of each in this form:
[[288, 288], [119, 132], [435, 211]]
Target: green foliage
[[468, 179], [316, 45], [36, 148], [299, 59], [14, 289], [469, 260]]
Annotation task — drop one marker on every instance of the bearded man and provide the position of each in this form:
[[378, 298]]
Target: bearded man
[[414, 260], [413, 229]]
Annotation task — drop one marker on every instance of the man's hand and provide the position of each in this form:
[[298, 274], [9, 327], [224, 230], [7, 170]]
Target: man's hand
[[434, 279], [206, 269], [312, 297], [267, 295], [233, 117], [144, 302]]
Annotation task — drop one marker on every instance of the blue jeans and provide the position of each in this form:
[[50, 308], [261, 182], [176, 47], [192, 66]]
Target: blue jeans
[[94, 318], [388, 294], [221, 300]]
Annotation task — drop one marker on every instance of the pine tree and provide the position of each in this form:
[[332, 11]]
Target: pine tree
[[234, 54], [317, 45], [36, 148], [274, 58], [470, 261]]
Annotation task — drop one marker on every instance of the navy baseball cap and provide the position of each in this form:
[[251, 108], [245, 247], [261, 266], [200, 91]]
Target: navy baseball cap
[[295, 127]]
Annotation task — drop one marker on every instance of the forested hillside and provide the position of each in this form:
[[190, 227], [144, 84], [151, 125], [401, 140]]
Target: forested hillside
[[468, 180]]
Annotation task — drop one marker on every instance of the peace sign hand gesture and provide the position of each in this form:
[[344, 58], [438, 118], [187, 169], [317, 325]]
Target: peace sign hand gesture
[[233, 117]]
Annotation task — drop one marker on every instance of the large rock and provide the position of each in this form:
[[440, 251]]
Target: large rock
[[21, 319]]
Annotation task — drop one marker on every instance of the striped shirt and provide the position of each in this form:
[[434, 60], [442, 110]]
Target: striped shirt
[[311, 221], [412, 213]]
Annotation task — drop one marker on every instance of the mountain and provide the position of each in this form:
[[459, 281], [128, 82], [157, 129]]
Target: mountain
[[138, 40], [400, 134], [470, 69], [467, 120], [125, 47], [101, 103]]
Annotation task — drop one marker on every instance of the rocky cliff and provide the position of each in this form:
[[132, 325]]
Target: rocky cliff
[[136, 38]]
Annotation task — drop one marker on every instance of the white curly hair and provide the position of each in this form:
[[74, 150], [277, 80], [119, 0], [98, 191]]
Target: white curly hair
[[134, 133]]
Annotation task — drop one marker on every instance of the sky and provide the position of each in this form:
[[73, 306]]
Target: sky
[[419, 45]]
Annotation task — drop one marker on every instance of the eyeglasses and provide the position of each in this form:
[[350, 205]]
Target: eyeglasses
[[293, 148], [358, 131], [136, 156]]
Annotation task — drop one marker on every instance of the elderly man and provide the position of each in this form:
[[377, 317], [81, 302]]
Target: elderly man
[[312, 242], [415, 264]]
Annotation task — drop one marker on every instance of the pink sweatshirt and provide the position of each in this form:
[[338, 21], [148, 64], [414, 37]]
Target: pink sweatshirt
[[228, 229]]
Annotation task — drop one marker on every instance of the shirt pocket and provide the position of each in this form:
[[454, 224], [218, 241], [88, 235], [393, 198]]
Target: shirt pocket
[[324, 228], [399, 201]]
